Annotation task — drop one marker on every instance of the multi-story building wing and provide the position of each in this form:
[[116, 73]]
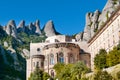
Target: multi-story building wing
[[107, 37]]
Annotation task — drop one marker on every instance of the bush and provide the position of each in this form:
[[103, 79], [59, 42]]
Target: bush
[[113, 57], [100, 59]]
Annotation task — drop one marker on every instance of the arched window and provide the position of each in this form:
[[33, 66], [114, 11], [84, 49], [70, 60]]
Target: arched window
[[61, 57], [51, 59], [71, 58]]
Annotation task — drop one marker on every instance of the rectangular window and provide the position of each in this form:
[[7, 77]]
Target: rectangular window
[[113, 40]]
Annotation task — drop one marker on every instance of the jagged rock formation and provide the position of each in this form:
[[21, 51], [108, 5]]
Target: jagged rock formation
[[21, 26], [11, 28], [31, 29], [95, 20], [49, 29], [37, 25], [109, 8], [87, 29]]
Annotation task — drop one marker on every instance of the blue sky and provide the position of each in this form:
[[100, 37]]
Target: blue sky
[[68, 15]]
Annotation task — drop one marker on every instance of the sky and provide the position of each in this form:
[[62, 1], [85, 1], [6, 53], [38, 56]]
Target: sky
[[68, 15]]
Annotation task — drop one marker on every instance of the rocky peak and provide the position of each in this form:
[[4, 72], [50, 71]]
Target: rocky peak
[[49, 29], [21, 26], [37, 24], [11, 28], [87, 29], [32, 28]]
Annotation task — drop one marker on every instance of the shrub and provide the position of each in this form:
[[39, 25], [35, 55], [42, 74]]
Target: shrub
[[100, 59], [113, 57]]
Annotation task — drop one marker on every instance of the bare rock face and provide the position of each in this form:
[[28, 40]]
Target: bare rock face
[[79, 36], [26, 53], [49, 29], [109, 8], [37, 25], [11, 28], [21, 26], [95, 20], [87, 29], [94, 25], [5, 44]]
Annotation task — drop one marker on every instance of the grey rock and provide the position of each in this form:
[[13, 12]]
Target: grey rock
[[49, 29], [94, 25], [107, 11], [37, 24], [21, 26], [11, 28], [79, 36], [26, 53], [87, 29], [5, 44]]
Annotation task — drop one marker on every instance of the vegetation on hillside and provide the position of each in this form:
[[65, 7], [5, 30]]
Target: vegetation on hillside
[[15, 69]]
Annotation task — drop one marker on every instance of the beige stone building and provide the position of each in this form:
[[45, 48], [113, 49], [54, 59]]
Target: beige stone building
[[60, 48], [107, 37]]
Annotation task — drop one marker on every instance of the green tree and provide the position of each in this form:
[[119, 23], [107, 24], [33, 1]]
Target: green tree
[[39, 75], [78, 70], [100, 59], [59, 68], [66, 72], [113, 57]]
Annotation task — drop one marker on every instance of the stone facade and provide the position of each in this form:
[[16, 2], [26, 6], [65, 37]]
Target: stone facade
[[55, 49]]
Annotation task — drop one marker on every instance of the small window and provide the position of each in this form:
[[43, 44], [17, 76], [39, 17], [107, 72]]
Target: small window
[[51, 59], [71, 58], [38, 49], [61, 57]]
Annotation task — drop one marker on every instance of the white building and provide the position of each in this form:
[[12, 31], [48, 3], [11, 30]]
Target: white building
[[107, 37]]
